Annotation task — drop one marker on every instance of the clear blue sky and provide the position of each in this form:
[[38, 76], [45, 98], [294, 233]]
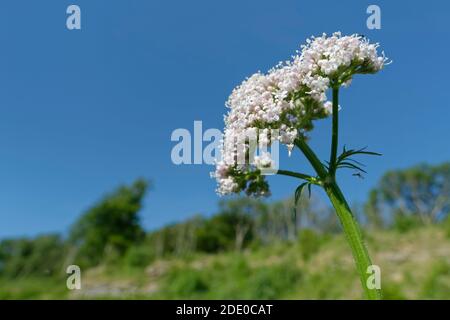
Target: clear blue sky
[[84, 111]]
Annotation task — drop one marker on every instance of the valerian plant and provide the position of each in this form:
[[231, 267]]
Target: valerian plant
[[281, 105]]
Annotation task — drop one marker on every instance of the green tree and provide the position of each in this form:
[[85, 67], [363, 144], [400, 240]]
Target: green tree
[[422, 191], [232, 227], [372, 210], [111, 226], [42, 256]]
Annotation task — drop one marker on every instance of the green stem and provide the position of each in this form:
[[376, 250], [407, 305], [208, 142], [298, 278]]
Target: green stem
[[335, 130], [348, 222], [294, 174], [354, 238], [312, 158]]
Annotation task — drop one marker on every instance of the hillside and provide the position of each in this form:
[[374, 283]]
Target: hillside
[[415, 265]]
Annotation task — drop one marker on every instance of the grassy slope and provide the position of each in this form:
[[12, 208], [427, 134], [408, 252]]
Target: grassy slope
[[414, 265]]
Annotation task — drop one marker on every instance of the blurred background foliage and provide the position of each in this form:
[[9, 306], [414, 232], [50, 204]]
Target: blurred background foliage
[[250, 249]]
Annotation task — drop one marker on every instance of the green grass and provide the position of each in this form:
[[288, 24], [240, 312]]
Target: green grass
[[415, 264], [33, 288]]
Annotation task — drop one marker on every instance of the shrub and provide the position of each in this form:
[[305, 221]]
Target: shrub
[[310, 242], [437, 283], [404, 223], [186, 283], [273, 282], [139, 256]]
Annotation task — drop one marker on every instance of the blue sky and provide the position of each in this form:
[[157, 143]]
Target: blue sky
[[84, 111]]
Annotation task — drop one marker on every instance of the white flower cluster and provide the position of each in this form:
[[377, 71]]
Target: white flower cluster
[[288, 98]]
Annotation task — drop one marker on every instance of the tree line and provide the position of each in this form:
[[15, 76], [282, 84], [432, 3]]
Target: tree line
[[110, 232]]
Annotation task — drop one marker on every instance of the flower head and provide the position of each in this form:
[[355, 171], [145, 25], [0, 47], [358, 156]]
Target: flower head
[[288, 99]]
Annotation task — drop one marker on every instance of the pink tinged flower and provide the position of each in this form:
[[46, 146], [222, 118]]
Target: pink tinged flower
[[287, 98]]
